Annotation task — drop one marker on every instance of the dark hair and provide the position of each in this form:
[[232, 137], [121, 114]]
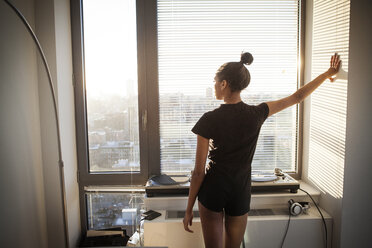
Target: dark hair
[[235, 73]]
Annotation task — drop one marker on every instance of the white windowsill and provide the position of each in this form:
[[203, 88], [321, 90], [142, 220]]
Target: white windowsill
[[259, 200]]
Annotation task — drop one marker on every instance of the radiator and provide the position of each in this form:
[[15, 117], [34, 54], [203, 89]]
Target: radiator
[[265, 229]]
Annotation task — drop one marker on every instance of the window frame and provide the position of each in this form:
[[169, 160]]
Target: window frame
[[147, 116], [148, 104], [300, 82]]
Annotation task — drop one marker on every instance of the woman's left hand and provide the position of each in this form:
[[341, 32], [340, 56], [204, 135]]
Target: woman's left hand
[[187, 220], [334, 67]]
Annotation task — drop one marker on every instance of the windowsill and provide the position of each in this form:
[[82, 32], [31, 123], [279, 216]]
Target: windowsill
[[259, 200]]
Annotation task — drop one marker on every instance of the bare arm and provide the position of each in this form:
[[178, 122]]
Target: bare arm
[[306, 90], [196, 179]]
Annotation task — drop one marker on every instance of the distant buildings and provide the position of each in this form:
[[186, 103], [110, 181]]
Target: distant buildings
[[114, 135], [106, 210]]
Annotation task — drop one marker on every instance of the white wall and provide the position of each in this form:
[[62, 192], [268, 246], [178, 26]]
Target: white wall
[[31, 208], [44, 22], [356, 205], [22, 214], [67, 114], [53, 28]]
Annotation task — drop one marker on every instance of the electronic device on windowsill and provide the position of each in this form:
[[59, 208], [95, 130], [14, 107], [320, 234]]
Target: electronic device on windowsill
[[261, 181], [150, 215], [165, 185], [268, 181]]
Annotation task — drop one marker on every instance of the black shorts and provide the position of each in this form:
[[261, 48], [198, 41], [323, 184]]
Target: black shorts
[[221, 191]]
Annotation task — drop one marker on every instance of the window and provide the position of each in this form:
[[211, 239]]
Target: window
[[144, 75], [111, 83], [109, 209], [329, 101], [194, 39]]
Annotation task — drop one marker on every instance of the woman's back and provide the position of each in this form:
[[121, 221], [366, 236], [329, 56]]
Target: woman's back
[[233, 131]]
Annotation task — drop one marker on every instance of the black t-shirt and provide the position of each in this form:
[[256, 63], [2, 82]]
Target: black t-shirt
[[233, 131]]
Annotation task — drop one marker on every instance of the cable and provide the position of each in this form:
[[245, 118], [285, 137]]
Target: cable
[[321, 214], [243, 242], [139, 231], [60, 161], [324, 223], [286, 231]]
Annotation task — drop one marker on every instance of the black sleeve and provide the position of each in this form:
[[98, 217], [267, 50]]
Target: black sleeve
[[263, 111], [204, 126]]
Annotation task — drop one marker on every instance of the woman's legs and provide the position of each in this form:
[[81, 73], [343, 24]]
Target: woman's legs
[[212, 225], [234, 230]]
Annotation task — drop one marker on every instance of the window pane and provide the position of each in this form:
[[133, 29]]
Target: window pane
[[106, 210], [110, 47], [194, 39], [329, 101]]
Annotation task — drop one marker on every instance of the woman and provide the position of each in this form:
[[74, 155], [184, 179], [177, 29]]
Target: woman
[[232, 131]]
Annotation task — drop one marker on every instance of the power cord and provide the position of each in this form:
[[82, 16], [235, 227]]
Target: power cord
[[286, 230], [321, 214], [139, 228]]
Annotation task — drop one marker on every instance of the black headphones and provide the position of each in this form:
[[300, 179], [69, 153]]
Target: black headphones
[[297, 208]]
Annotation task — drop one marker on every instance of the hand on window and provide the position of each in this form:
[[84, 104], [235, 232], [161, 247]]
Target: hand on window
[[334, 67]]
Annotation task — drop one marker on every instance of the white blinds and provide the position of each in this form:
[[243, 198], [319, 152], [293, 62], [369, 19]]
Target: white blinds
[[194, 39], [328, 103]]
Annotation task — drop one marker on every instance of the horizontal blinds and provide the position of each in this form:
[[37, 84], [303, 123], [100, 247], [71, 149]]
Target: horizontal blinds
[[328, 103], [194, 39]]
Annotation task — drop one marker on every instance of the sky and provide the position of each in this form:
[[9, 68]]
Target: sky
[[110, 46]]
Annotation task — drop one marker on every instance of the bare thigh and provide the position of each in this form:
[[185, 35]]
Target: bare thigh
[[212, 225], [234, 230]]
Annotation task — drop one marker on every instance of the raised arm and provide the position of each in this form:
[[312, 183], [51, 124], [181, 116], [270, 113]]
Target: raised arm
[[304, 91]]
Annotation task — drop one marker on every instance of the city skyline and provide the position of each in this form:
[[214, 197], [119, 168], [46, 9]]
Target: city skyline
[[114, 143]]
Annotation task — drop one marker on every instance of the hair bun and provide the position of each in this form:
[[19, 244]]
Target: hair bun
[[246, 58]]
